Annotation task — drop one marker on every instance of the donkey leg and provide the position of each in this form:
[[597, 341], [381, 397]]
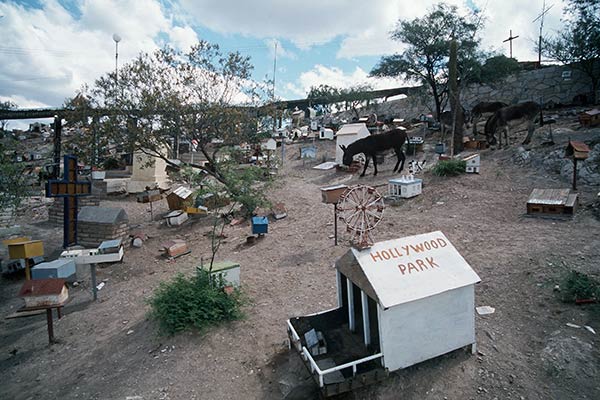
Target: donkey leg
[[530, 128], [402, 157], [366, 165], [374, 164]]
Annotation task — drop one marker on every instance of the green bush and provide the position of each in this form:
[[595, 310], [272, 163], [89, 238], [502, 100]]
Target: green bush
[[579, 286], [450, 168], [197, 302]]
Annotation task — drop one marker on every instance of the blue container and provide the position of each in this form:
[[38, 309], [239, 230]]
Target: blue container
[[61, 268], [260, 225]]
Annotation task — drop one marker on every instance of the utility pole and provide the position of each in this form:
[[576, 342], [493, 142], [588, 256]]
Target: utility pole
[[510, 39], [541, 18]]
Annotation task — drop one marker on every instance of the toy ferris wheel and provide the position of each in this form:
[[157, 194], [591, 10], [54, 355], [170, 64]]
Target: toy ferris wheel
[[361, 208]]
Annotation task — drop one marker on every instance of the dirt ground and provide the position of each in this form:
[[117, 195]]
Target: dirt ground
[[109, 349]]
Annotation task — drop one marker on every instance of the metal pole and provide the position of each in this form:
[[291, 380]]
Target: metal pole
[[335, 222], [116, 63], [57, 146], [94, 288]]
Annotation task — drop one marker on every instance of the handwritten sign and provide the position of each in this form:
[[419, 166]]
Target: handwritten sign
[[411, 268]]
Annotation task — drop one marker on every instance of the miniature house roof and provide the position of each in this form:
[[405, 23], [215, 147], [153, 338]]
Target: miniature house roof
[[577, 150], [102, 215], [407, 269], [555, 197], [182, 192], [42, 287], [352, 129]]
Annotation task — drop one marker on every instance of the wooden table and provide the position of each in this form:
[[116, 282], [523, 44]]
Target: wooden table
[[49, 318]]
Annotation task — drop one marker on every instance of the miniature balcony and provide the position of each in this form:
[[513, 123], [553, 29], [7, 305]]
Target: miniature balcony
[[340, 362]]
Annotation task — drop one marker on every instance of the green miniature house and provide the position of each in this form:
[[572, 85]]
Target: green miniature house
[[228, 270]]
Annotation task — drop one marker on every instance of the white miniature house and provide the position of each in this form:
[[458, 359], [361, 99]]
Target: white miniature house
[[348, 134], [326, 134], [473, 162], [400, 302], [405, 186]]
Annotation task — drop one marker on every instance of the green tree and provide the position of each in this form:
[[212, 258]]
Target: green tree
[[426, 58], [494, 69], [6, 105], [165, 97], [12, 180], [578, 44], [322, 98]]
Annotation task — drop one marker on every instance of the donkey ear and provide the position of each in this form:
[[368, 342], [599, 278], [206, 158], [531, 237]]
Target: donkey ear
[[343, 147]]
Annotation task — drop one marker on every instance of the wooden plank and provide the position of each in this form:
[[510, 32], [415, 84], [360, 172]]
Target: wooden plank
[[24, 314]]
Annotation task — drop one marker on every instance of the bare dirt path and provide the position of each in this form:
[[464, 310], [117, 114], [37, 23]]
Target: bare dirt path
[[525, 348]]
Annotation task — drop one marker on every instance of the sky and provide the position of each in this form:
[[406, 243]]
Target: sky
[[50, 48]]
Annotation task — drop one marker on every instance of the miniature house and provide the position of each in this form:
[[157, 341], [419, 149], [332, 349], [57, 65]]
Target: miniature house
[[108, 251], [348, 134], [326, 134], [23, 248], [405, 187], [400, 302], [226, 270], [577, 150], [260, 225], [44, 292], [180, 198], [176, 217], [61, 268], [331, 194], [473, 162], [552, 202], [97, 224], [590, 118]]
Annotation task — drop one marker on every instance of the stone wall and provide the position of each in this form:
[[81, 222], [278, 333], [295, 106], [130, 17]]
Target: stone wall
[[55, 211], [550, 86]]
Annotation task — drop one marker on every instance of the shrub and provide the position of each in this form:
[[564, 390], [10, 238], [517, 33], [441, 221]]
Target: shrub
[[449, 168], [196, 302], [579, 286]]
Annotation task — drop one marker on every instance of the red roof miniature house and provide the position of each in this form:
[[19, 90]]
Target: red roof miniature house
[[44, 292]]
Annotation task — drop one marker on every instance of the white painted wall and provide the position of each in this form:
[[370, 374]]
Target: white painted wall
[[348, 134], [426, 328]]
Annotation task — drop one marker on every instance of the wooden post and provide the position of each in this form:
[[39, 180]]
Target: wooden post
[[57, 146], [365, 315], [50, 326], [351, 321], [574, 173]]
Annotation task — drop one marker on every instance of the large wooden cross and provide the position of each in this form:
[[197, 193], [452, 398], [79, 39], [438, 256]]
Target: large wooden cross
[[69, 188]]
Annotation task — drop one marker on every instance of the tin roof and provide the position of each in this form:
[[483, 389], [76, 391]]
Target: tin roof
[[403, 270], [579, 146], [553, 197], [182, 192], [595, 111], [41, 287]]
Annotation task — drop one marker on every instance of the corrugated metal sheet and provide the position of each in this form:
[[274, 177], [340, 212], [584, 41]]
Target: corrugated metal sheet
[[42, 287], [549, 196], [182, 192]]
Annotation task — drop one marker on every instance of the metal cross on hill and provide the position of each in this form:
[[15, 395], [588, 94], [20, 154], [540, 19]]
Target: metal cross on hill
[[69, 188]]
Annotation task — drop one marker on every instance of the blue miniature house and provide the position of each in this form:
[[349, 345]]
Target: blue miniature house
[[61, 268], [260, 225]]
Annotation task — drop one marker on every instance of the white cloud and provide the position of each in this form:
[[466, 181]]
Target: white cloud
[[333, 76], [48, 53], [518, 16], [282, 52], [183, 37]]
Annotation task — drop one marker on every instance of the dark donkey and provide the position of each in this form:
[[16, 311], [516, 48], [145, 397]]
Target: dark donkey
[[370, 145], [484, 107], [528, 111]]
